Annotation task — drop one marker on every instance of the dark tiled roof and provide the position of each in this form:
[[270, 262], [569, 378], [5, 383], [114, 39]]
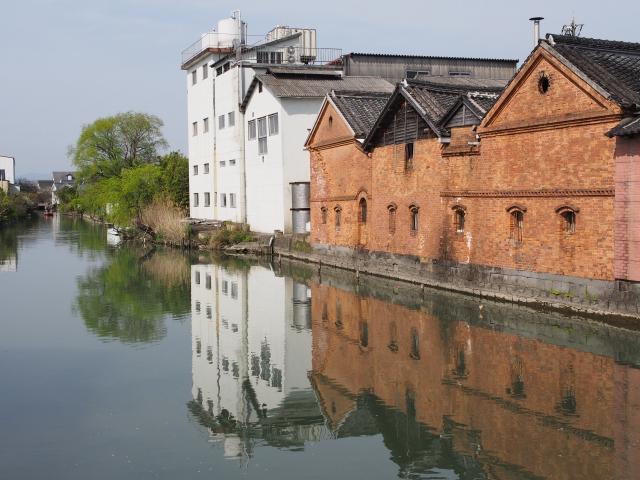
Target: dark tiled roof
[[461, 82], [60, 178], [628, 126], [45, 185], [360, 110], [438, 99], [612, 65], [303, 86]]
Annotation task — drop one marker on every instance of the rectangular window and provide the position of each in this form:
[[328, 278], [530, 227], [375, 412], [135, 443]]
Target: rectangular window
[[194, 77], [232, 118], [194, 128], [223, 199], [225, 287], [262, 135], [195, 169], [206, 168], [223, 163], [234, 290], [221, 122], [3, 175], [215, 199], [205, 71], [205, 125], [232, 200], [226, 67], [195, 200], [207, 282], [207, 199], [252, 130], [197, 278], [273, 124], [219, 71], [232, 162]]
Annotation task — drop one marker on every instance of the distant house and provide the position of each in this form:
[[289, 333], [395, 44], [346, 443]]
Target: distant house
[[61, 180], [7, 173], [44, 186]]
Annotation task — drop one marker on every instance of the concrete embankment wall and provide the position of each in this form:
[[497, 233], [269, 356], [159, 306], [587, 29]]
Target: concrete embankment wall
[[585, 296]]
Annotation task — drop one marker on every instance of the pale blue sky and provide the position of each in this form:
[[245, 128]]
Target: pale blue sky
[[64, 63]]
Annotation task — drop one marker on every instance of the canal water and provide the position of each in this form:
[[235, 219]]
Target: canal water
[[134, 363]]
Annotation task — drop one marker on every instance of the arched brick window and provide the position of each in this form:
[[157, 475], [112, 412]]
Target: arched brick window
[[362, 210], [568, 213], [414, 219], [338, 215], [516, 223], [392, 208], [415, 345], [323, 213], [459, 217]]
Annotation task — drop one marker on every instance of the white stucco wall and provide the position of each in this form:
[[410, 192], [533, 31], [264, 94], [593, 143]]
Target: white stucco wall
[[268, 176], [264, 172], [199, 107], [8, 164]]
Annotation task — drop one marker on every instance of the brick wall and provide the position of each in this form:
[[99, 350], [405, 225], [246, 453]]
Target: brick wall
[[540, 151]]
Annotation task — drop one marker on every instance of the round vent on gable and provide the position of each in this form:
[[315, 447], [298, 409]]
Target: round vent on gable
[[544, 82]]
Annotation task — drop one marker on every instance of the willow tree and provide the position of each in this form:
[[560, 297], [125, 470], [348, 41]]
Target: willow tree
[[110, 144]]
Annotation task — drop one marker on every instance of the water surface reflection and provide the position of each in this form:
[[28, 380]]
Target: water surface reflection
[[452, 387]]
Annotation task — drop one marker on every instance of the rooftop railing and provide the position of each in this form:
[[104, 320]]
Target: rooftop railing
[[208, 40], [293, 55]]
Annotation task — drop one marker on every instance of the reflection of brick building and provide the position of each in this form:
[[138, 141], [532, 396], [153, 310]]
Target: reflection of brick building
[[536, 180], [520, 407]]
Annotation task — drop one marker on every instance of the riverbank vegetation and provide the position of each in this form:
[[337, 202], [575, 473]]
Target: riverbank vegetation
[[123, 179], [15, 206]]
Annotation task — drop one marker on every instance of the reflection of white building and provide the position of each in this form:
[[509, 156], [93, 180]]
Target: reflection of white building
[[9, 264], [250, 355]]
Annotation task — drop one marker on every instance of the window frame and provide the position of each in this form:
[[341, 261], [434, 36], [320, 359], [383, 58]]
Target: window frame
[[516, 224], [205, 168], [232, 200], [205, 71], [459, 218], [252, 129], [273, 120], [231, 119], [414, 219], [205, 125], [194, 77], [221, 122], [409, 153], [194, 129], [196, 199], [362, 211], [337, 212], [223, 200], [263, 131], [569, 216], [195, 170], [323, 215], [392, 210], [207, 199]]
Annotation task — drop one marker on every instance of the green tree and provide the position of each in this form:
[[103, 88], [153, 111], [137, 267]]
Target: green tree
[[175, 174], [110, 144]]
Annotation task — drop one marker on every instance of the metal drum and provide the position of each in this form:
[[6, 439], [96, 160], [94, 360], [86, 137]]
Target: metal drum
[[300, 195]]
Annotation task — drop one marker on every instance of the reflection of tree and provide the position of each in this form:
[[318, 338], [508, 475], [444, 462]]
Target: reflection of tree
[[128, 298], [8, 242], [83, 237]]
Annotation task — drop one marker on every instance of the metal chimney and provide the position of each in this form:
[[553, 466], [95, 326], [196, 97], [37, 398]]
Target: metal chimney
[[536, 29]]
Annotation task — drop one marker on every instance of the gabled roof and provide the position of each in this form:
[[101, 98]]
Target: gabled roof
[[360, 110], [613, 65], [60, 178], [313, 83], [627, 127], [436, 101]]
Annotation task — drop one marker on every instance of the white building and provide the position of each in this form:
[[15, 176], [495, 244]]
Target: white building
[[280, 109], [251, 346], [61, 180], [220, 66], [7, 172]]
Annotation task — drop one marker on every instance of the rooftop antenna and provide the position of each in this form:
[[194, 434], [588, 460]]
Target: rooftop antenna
[[536, 29], [573, 29]]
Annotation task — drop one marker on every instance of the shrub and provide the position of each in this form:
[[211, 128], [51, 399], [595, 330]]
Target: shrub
[[166, 220]]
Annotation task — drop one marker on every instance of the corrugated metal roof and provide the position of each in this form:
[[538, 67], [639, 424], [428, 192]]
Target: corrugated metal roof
[[428, 57]]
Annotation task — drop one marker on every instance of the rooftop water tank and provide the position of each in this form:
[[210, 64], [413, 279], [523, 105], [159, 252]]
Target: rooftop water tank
[[229, 32]]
